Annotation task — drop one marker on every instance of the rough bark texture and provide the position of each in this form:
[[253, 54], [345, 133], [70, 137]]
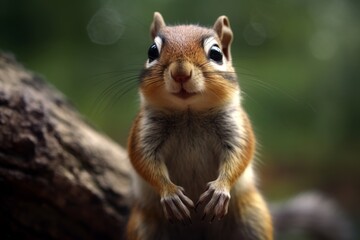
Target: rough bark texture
[[59, 178]]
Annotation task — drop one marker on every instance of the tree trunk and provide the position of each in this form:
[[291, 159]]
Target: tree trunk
[[59, 178]]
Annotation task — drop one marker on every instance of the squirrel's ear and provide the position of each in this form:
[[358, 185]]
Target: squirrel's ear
[[158, 22], [223, 30]]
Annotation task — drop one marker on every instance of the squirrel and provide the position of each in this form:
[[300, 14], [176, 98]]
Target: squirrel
[[192, 143]]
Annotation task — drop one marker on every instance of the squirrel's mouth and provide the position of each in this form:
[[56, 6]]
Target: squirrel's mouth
[[184, 94]]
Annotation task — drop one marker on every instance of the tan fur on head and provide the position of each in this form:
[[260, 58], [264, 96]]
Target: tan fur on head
[[157, 24], [186, 55], [223, 30]]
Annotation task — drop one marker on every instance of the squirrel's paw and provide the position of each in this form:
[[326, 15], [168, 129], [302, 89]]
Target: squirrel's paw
[[176, 205], [217, 198]]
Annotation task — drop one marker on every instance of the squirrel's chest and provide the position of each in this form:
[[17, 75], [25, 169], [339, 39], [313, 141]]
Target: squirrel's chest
[[191, 146], [196, 153], [177, 139]]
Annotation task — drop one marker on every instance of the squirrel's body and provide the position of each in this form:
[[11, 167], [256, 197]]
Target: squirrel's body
[[193, 142]]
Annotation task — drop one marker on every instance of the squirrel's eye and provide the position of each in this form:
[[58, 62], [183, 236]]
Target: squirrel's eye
[[215, 54], [153, 53]]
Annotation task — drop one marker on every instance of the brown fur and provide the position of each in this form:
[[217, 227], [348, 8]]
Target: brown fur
[[210, 113], [180, 43]]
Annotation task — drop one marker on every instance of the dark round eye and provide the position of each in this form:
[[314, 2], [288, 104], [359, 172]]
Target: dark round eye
[[153, 53], [215, 54]]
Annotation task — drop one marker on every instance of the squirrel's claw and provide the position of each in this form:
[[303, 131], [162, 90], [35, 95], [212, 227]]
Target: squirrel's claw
[[176, 206], [217, 202]]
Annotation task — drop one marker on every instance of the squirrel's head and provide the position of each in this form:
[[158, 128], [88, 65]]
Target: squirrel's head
[[189, 67]]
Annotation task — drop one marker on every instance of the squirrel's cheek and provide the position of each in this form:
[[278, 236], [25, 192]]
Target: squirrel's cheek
[[221, 94]]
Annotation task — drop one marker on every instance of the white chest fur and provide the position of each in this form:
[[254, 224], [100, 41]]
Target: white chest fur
[[192, 145]]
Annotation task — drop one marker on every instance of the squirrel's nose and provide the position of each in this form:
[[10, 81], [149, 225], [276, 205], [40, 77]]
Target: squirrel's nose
[[181, 72], [181, 77]]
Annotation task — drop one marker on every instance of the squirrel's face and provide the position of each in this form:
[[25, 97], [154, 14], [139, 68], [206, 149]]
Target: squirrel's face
[[189, 67]]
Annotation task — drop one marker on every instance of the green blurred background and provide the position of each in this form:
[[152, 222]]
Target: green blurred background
[[298, 63]]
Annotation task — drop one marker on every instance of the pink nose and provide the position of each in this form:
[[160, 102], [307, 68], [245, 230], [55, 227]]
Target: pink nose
[[181, 77]]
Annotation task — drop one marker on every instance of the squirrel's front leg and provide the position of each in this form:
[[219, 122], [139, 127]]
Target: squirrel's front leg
[[236, 160], [174, 202], [217, 194]]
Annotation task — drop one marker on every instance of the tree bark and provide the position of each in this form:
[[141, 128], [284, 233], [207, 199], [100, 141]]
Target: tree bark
[[59, 178]]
